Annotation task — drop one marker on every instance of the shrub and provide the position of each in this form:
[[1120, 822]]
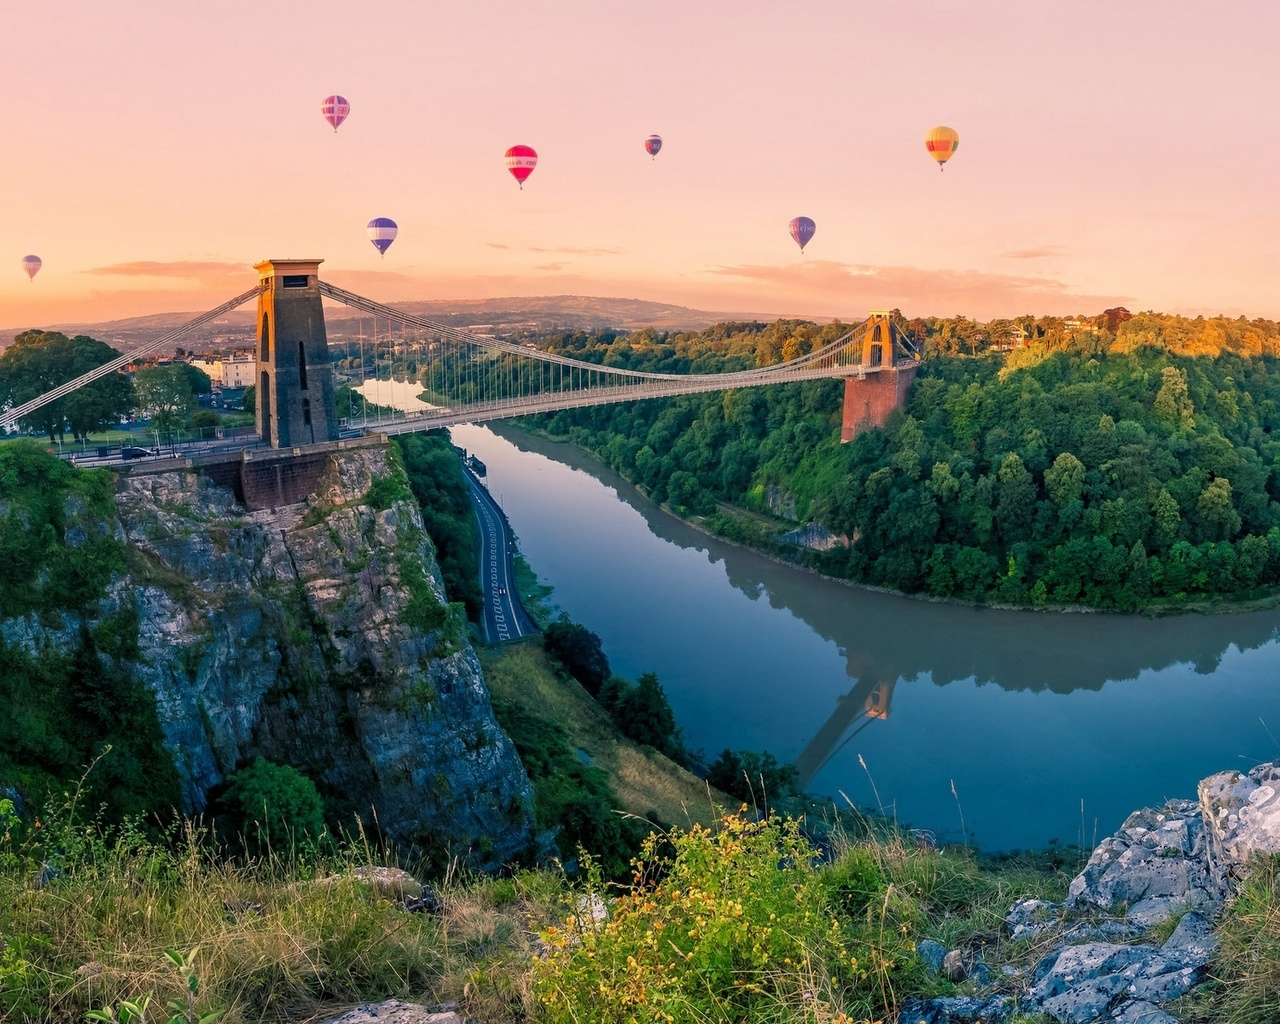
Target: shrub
[[579, 651], [274, 807], [736, 924], [752, 777]]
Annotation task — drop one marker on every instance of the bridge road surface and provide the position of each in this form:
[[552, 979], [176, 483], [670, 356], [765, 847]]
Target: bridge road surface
[[504, 616]]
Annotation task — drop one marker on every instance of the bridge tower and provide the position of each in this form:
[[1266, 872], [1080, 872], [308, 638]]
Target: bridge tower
[[295, 394], [869, 397]]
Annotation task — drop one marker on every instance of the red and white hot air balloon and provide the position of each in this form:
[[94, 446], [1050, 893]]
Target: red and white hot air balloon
[[521, 160], [32, 265], [335, 110]]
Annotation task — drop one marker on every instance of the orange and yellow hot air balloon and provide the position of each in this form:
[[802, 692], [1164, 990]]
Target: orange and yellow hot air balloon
[[941, 142]]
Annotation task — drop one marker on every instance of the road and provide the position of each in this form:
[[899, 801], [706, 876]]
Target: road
[[504, 617]]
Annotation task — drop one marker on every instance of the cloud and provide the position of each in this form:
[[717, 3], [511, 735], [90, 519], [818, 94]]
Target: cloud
[[549, 266], [1034, 253], [570, 250], [497, 245], [190, 270], [828, 285]]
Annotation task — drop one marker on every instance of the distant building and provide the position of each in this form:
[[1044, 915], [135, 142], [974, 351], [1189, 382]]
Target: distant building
[[233, 371]]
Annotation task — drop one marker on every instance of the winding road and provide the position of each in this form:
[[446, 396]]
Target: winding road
[[504, 616]]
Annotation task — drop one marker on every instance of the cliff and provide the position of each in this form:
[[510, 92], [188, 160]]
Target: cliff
[[316, 635]]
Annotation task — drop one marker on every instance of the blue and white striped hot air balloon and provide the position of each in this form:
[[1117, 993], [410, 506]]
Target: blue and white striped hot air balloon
[[382, 232]]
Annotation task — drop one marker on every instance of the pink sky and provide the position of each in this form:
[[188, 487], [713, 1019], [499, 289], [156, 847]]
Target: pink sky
[[1111, 152]]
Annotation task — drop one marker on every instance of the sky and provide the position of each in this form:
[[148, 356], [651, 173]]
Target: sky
[[1111, 152]]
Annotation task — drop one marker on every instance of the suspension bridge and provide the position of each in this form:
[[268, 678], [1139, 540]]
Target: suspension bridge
[[467, 378]]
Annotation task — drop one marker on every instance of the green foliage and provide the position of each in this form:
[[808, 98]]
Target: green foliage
[[435, 478], [272, 807], [1117, 464], [754, 778], [424, 611], [736, 924], [39, 361], [1247, 966], [642, 713], [167, 395], [182, 1010], [571, 797], [57, 554], [579, 651]]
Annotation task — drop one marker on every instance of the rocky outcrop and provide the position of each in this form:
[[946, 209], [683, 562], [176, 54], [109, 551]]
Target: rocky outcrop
[[1178, 861], [317, 636]]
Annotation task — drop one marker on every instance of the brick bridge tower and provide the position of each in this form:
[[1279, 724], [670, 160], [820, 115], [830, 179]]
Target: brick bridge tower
[[295, 394], [882, 381]]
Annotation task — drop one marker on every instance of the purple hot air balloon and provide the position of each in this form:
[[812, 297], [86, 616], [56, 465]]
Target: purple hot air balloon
[[802, 229], [382, 232], [335, 110], [32, 265], [652, 144]]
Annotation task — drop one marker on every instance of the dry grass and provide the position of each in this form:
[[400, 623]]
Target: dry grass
[[643, 780], [271, 942]]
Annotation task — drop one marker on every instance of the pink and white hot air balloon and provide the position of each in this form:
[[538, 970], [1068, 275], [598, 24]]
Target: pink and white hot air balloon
[[32, 265], [335, 110], [521, 160]]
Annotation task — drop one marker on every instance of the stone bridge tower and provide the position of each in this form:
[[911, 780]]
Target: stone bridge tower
[[869, 397], [295, 393]]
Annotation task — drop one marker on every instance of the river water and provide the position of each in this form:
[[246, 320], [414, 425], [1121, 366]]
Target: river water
[[1011, 729]]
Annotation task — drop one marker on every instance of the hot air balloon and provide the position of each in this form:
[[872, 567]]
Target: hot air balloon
[[521, 160], [941, 142], [32, 265], [802, 229], [382, 232], [652, 144], [335, 110]]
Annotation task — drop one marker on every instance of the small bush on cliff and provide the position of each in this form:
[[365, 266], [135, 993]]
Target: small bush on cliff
[[579, 651], [739, 924], [273, 807], [642, 713]]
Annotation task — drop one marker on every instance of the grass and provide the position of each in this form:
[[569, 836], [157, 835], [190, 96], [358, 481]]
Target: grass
[[298, 936], [524, 678], [1245, 987]]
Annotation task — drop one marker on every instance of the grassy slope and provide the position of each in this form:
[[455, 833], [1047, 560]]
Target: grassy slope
[[644, 781]]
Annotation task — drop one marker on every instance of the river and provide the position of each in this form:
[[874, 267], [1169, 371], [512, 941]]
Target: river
[[1011, 729]]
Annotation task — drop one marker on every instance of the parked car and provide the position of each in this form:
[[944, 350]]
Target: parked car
[[133, 451]]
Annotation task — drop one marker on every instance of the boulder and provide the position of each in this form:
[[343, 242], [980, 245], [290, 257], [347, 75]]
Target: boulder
[[931, 954], [956, 1010], [393, 1011], [1242, 819], [1155, 865]]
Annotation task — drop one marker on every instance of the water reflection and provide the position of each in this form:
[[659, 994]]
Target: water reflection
[[921, 679]]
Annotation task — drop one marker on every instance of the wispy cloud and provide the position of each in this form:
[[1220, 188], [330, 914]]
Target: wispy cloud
[[549, 266], [569, 250], [916, 290], [190, 270], [1037, 252]]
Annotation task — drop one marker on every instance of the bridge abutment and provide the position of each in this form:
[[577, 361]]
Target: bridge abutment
[[870, 397], [869, 400], [295, 392]]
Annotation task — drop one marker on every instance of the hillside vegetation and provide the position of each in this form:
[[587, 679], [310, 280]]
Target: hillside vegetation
[[1117, 469]]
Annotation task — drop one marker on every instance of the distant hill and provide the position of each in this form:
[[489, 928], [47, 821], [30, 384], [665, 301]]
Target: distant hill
[[519, 314]]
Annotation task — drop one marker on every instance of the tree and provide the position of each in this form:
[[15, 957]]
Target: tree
[[1064, 480], [579, 651], [249, 402], [39, 361], [273, 807], [165, 393], [644, 715]]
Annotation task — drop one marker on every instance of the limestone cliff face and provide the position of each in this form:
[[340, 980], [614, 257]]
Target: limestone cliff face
[[318, 636]]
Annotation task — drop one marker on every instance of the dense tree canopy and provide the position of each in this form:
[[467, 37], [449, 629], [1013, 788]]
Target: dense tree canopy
[[1114, 461], [39, 361]]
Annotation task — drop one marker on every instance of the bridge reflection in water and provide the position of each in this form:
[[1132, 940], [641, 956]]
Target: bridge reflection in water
[[1028, 712]]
